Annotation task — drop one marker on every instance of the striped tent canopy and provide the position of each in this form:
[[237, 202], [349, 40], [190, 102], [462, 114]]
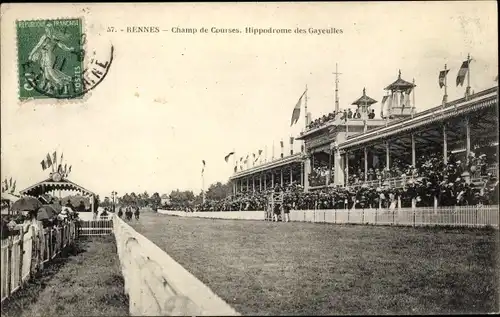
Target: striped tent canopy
[[400, 84], [49, 185]]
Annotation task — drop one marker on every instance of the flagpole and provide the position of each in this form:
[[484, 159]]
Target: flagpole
[[203, 187], [445, 98], [305, 107], [467, 90], [265, 158], [272, 157], [234, 160], [413, 99]]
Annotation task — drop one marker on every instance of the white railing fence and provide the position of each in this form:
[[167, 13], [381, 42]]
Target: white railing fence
[[24, 254], [101, 227], [459, 216], [156, 284]]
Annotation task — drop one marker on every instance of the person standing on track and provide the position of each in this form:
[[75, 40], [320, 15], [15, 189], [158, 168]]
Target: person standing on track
[[137, 213]]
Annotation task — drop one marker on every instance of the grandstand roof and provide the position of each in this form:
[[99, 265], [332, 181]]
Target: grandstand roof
[[483, 99], [295, 158]]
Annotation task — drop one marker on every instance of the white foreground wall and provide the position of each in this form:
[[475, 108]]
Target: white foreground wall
[[159, 286]]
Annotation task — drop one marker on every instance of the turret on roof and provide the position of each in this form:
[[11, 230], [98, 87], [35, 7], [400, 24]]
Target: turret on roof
[[400, 84], [364, 100]]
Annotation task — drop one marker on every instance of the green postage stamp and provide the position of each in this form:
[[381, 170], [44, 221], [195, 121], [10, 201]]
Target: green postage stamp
[[50, 58]]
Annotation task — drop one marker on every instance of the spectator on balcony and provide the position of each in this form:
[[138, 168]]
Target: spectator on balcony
[[371, 115], [349, 114], [357, 114]]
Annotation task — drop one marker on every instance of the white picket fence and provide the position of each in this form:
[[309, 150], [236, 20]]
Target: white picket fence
[[458, 216], [19, 257], [462, 216]]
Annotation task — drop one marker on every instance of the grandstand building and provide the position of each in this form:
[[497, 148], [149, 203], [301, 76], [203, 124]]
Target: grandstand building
[[346, 151]]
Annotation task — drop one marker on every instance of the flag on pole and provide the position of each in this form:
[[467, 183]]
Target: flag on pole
[[49, 160], [13, 187], [236, 168], [203, 169], [61, 157], [384, 101], [44, 167], [296, 110], [10, 182], [6, 185], [226, 158], [59, 169], [54, 160], [462, 72], [442, 77], [65, 170], [69, 169]]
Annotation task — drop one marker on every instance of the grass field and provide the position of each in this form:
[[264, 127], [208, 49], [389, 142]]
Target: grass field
[[264, 268], [86, 281]]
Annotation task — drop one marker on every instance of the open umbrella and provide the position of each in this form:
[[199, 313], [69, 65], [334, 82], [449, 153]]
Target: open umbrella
[[57, 207], [46, 212], [26, 203]]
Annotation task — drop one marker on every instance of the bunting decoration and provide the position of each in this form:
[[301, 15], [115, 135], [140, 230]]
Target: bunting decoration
[[226, 158], [296, 110], [258, 155]]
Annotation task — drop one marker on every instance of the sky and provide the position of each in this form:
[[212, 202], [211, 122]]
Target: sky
[[171, 100]]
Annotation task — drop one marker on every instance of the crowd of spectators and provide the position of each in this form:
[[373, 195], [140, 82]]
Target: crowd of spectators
[[430, 182], [343, 115], [319, 175], [13, 224]]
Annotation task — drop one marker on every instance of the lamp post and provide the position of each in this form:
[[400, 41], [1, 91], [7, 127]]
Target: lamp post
[[113, 195]]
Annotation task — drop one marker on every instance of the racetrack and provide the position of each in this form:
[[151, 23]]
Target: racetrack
[[265, 268]]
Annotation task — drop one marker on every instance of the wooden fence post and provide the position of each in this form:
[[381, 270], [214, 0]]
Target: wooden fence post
[[475, 220], [9, 266], [21, 255]]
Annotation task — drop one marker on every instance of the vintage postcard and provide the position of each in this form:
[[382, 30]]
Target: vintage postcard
[[286, 158]]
